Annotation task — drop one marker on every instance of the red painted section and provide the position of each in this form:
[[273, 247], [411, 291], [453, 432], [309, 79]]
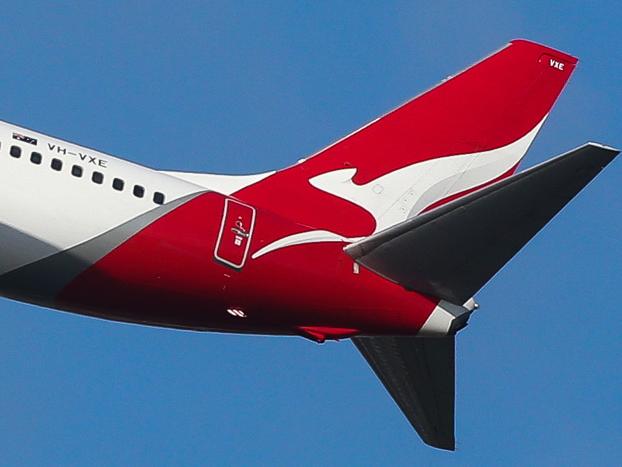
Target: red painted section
[[320, 334], [166, 274], [490, 105]]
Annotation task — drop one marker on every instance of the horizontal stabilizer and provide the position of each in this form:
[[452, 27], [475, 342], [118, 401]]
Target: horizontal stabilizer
[[452, 251], [419, 374]]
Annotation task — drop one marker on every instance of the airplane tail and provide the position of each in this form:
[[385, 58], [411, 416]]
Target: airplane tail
[[469, 131], [450, 253]]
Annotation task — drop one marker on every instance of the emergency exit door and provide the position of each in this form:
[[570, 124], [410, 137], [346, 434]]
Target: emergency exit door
[[236, 230]]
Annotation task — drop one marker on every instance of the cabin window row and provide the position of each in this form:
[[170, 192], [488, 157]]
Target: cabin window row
[[96, 177]]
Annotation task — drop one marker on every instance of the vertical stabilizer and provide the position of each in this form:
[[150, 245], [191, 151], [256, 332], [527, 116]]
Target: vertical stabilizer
[[469, 131]]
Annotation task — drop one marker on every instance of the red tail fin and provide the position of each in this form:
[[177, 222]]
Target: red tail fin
[[466, 132]]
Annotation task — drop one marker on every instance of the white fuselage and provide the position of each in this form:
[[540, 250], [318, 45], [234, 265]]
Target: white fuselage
[[45, 210]]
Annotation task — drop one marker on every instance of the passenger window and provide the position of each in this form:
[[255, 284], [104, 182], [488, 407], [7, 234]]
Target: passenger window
[[118, 184], [56, 164], [139, 191], [36, 158], [97, 177], [76, 171], [16, 151], [158, 198]]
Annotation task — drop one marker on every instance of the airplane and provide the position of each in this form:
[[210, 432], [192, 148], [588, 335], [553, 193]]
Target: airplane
[[384, 237]]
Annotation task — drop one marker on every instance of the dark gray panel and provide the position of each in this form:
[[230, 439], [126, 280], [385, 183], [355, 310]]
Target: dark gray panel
[[18, 248], [452, 251], [419, 373]]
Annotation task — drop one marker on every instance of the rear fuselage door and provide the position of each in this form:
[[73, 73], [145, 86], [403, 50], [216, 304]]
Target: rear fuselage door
[[236, 230]]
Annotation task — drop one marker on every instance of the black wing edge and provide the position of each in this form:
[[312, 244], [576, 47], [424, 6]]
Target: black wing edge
[[452, 251], [419, 374]]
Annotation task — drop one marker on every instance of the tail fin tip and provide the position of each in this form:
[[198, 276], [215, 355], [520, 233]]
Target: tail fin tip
[[550, 50]]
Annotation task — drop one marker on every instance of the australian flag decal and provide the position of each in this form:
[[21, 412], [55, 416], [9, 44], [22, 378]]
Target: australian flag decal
[[24, 138]]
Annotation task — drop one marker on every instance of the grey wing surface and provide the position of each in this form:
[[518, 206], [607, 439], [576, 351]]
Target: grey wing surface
[[419, 374]]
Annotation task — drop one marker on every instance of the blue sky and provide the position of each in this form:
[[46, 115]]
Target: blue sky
[[242, 88]]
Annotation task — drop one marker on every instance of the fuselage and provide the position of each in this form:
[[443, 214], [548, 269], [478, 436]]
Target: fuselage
[[86, 232], [383, 236]]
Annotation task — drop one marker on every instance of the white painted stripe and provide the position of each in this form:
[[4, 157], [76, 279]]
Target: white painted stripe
[[403, 193], [437, 324], [439, 321], [312, 236]]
